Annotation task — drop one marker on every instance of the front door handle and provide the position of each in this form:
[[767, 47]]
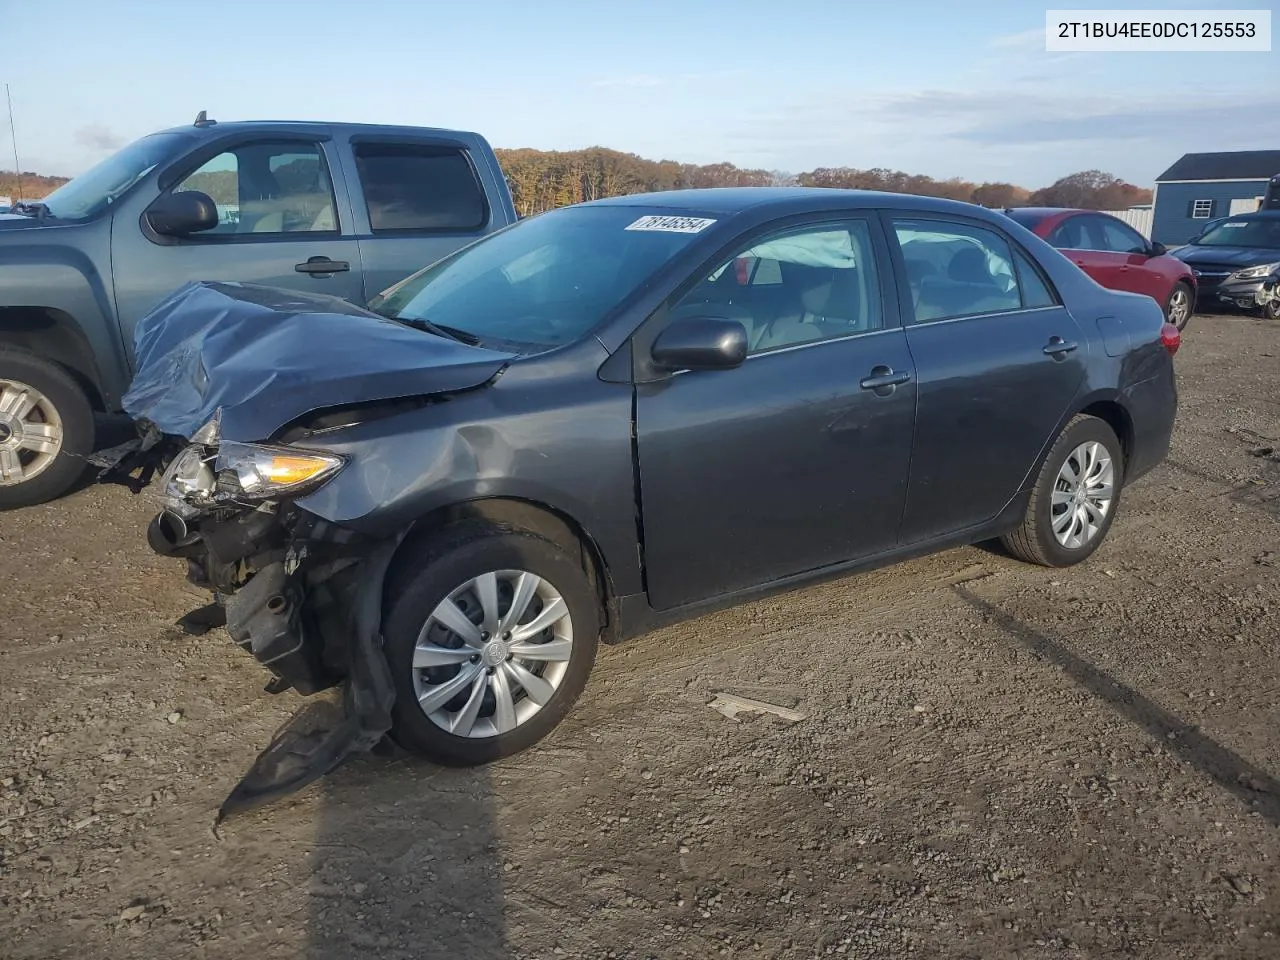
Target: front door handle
[[1059, 348], [322, 266], [883, 377]]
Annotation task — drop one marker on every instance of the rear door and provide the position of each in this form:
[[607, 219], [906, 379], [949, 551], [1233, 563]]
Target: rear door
[[998, 361], [798, 458], [285, 222], [1081, 242], [418, 199], [1135, 272]]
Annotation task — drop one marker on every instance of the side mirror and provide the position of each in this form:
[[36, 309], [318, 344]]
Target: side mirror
[[181, 213], [701, 343], [1158, 249]]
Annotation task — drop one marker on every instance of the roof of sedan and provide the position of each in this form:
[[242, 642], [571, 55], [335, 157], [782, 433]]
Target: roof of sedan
[[780, 200]]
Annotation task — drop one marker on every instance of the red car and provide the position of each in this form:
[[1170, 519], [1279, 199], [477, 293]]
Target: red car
[[1115, 255]]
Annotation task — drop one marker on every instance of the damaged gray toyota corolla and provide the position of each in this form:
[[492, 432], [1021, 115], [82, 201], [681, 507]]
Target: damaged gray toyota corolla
[[611, 417]]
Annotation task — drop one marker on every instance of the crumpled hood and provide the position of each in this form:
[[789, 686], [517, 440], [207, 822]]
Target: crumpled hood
[[1229, 256], [265, 356]]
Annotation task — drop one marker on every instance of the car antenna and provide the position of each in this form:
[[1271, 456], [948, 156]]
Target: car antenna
[[202, 119], [13, 135]]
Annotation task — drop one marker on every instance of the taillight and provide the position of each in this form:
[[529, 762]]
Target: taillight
[[1171, 337]]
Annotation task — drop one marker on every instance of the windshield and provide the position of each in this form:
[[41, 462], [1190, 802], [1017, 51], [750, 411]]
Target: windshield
[[1261, 232], [547, 280], [93, 191]]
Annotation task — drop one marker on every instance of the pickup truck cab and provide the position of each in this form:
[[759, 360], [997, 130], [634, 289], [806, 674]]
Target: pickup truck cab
[[322, 208]]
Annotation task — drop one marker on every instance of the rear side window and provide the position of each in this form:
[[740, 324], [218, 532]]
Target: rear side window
[[1119, 237], [419, 187], [957, 270], [1035, 292]]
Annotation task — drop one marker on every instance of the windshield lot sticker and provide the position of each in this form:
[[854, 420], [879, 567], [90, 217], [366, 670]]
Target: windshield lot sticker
[[672, 224]]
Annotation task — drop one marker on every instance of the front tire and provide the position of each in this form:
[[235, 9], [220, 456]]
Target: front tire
[[1075, 497], [1180, 305], [490, 635], [46, 430]]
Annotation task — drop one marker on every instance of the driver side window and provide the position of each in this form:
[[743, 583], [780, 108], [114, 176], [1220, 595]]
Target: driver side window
[[806, 285], [1118, 237], [267, 188]]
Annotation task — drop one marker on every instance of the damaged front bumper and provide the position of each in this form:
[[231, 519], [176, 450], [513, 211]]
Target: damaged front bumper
[[1249, 294], [302, 595]]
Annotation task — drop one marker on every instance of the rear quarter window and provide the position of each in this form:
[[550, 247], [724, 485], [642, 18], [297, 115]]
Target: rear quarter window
[[417, 187]]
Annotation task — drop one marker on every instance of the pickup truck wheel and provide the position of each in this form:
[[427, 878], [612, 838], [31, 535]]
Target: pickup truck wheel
[[490, 634], [46, 430]]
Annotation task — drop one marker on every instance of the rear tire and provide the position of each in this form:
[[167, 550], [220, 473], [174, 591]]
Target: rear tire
[[46, 430], [1062, 527], [1180, 305], [469, 727]]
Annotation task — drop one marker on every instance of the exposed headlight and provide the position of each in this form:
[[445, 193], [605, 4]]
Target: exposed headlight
[[264, 471], [1254, 273], [189, 476]]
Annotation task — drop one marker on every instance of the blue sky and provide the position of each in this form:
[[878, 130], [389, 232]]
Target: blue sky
[[928, 87]]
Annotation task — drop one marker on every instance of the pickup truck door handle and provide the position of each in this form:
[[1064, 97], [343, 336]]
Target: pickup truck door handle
[[1059, 348], [883, 376], [322, 265]]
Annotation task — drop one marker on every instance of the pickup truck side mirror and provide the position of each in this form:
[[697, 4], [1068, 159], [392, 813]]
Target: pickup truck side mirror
[[181, 213], [701, 343]]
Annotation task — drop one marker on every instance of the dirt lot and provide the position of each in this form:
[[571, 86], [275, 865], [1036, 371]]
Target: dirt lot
[[997, 760]]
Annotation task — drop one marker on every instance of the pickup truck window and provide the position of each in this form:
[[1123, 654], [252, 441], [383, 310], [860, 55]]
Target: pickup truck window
[[419, 187], [267, 188]]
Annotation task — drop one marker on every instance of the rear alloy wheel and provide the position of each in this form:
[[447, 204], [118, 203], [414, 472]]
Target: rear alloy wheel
[[46, 430], [490, 636], [1075, 497], [1181, 305]]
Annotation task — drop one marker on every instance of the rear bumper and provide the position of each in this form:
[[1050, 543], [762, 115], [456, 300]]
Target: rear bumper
[[1153, 408]]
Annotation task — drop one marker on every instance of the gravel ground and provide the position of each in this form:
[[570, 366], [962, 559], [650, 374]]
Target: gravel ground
[[996, 760]]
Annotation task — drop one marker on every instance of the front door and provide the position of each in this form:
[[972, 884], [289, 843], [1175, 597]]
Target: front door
[[998, 362], [281, 225], [798, 458]]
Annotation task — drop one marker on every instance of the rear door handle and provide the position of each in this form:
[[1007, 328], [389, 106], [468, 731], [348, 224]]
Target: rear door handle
[[1057, 347], [883, 376], [322, 265]]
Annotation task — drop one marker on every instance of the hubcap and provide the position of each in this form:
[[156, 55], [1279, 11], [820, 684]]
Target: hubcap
[[30, 433], [492, 653], [1082, 495]]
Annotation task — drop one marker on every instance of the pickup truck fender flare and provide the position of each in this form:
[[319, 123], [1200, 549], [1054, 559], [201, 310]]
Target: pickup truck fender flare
[[54, 303]]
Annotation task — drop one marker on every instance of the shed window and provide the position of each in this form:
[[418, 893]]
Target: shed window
[[1201, 209]]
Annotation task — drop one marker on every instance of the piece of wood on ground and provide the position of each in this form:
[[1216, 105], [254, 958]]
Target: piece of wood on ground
[[730, 705]]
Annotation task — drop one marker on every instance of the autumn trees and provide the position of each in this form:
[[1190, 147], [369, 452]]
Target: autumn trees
[[541, 180]]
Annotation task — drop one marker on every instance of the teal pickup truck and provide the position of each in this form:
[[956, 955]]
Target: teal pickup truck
[[333, 208]]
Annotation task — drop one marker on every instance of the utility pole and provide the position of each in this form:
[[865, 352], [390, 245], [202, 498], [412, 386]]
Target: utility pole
[[17, 170]]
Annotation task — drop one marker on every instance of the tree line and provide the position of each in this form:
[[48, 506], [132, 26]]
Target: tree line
[[544, 179]]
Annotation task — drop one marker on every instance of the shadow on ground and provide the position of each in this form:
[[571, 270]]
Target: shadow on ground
[[1256, 788]]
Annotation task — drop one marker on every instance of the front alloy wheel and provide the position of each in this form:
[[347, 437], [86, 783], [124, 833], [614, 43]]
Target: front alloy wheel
[[1180, 306]]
